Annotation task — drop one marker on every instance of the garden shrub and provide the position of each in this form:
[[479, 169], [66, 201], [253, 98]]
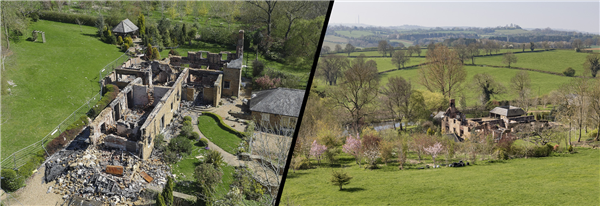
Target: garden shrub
[[195, 135], [159, 142], [170, 156], [302, 164], [11, 181], [111, 93], [174, 52], [501, 154], [187, 123], [214, 157], [69, 134], [222, 124], [186, 131], [203, 142], [187, 118], [180, 144], [569, 72], [251, 188], [257, 68], [120, 40]]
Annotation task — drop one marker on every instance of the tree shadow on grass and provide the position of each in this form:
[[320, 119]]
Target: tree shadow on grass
[[352, 189]]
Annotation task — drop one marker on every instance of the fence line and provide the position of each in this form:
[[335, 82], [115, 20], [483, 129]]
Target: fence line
[[20, 158]]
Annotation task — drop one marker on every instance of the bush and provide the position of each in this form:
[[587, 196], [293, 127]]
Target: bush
[[223, 125], [170, 156], [195, 135], [203, 142], [187, 118], [302, 163], [569, 72], [257, 68], [35, 16], [111, 93], [174, 52], [187, 123], [69, 134], [120, 40], [214, 157], [501, 154], [11, 181], [593, 133], [180, 144], [250, 187], [186, 131], [159, 143]]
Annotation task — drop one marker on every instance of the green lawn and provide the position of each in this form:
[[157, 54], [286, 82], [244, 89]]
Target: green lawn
[[562, 179], [554, 61], [53, 79], [224, 139]]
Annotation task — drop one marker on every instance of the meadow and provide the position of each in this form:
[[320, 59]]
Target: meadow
[[406, 43], [561, 179], [553, 61], [354, 33], [52, 80]]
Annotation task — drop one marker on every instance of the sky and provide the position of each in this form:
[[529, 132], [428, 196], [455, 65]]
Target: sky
[[582, 16]]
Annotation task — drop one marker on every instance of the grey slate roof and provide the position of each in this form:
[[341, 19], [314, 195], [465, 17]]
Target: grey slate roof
[[282, 101], [125, 26], [508, 111]]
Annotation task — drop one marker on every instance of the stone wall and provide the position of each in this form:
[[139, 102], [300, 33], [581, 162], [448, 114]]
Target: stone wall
[[233, 75], [104, 119], [140, 95], [274, 120], [121, 143]]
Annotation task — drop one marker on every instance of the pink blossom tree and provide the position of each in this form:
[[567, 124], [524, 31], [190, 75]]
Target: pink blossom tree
[[352, 147], [317, 150], [370, 148], [434, 150], [265, 82]]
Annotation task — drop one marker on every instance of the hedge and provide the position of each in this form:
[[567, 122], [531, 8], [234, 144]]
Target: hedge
[[68, 18], [111, 93], [223, 125], [69, 134]]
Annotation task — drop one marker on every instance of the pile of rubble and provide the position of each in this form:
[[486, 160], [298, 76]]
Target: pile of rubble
[[100, 174]]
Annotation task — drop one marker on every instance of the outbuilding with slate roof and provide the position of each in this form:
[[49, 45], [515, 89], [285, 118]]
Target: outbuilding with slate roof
[[125, 27], [277, 107]]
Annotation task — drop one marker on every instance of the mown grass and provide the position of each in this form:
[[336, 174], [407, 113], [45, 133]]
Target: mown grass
[[53, 79], [224, 139], [554, 61], [562, 179]]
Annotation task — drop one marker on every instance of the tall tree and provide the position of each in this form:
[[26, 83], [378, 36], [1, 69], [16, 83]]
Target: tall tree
[[473, 51], [509, 58], [267, 7], [332, 67], [595, 106], [444, 72], [349, 48], [397, 94], [462, 51], [521, 85], [383, 47], [325, 50], [399, 58], [592, 63], [358, 91], [487, 86], [531, 46], [338, 48], [579, 89], [418, 49]]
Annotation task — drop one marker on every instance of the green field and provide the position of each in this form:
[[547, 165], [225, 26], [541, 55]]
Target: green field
[[354, 33], [224, 139], [541, 83], [384, 64], [53, 79], [562, 179], [406, 43], [337, 39], [510, 31], [554, 61]]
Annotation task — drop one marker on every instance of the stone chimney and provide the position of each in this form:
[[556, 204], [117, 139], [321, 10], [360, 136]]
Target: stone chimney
[[452, 104]]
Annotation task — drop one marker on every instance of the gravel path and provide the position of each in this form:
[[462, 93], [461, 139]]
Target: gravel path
[[34, 193]]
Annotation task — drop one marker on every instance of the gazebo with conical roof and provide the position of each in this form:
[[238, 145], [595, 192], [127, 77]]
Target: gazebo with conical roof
[[125, 27]]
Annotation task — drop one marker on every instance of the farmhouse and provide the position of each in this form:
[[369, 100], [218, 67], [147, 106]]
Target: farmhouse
[[151, 93], [499, 123], [277, 108]]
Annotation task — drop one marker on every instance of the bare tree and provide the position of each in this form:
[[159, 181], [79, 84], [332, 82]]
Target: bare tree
[[462, 51], [349, 48], [267, 8], [397, 94], [399, 58], [444, 73], [473, 51], [487, 86], [595, 106], [358, 91], [521, 86], [332, 67], [578, 90], [383, 47], [509, 58]]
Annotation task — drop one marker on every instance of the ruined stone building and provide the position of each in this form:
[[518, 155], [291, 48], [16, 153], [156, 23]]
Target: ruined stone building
[[499, 123], [151, 93], [278, 107]]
